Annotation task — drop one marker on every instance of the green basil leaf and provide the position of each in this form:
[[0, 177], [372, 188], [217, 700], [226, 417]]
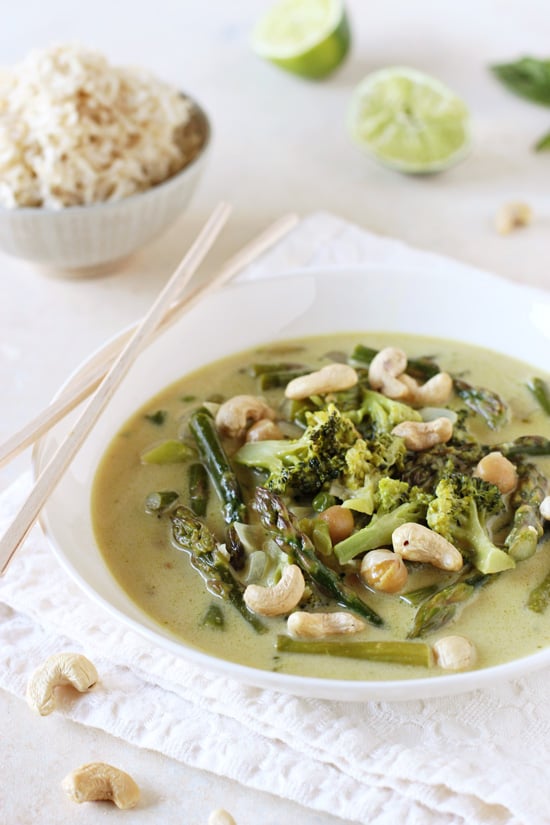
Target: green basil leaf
[[528, 77]]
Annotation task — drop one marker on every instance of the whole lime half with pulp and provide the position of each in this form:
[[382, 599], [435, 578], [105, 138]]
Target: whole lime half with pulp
[[409, 120]]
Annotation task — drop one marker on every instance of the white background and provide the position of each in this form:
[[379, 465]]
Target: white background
[[280, 145]]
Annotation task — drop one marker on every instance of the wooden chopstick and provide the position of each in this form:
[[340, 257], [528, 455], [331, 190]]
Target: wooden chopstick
[[89, 378], [51, 474]]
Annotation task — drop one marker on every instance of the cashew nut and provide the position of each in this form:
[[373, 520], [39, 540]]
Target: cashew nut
[[385, 369], [454, 653], [497, 469], [281, 597], [433, 393], [420, 435], [545, 508], [418, 543], [236, 414], [319, 625], [332, 378], [384, 571], [100, 781], [512, 216], [221, 817], [59, 669], [264, 430]]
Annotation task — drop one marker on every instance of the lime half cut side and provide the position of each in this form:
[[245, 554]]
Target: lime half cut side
[[309, 38], [409, 121]]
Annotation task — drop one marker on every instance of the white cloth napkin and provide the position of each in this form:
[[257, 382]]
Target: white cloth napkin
[[479, 758]]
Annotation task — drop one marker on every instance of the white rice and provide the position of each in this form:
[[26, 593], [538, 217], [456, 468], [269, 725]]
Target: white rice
[[76, 130]]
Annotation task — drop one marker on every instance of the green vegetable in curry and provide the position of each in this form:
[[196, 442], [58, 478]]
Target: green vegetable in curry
[[329, 486]]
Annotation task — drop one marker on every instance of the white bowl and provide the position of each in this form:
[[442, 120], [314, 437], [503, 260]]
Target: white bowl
[[482, 309], [85, 237]]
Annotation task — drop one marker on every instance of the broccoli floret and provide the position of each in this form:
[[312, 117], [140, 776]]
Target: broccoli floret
[[396, 504], [366, 460], [379, 414], [459, 512], [303, 465]]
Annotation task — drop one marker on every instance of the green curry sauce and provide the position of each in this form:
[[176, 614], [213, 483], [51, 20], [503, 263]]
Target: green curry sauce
[[159, 578]]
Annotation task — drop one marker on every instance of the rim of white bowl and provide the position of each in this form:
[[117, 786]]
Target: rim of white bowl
[[348, 690]]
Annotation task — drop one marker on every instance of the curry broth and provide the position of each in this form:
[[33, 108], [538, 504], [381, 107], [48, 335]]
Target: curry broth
[[160, 580]]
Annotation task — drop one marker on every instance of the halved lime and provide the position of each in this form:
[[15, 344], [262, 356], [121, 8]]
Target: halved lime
[[409, 120], [306, 37]]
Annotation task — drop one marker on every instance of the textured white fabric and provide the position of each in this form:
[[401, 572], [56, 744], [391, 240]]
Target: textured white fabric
[[479, 758]]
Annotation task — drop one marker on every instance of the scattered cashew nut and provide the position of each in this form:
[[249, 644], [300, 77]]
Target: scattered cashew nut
[[221, 817], [263, 430], [100, 781], [545, 508], [435, 392], [454, 653], [281, 597], [320, 625], [332, 378], [385, 369], [420, 435], [236, 414], [384, 571], [497, 469], [59, 669], [512, 216], [418, 543]]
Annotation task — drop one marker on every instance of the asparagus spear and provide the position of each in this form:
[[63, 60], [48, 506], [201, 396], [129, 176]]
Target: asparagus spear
[[403, 653], [281, 525], [527, 527], [258, 369], [270, 380], [539, 389], [524, 445], [170, 451], [218, 465], [213, 617], [421, 368], [198, 488], [440, 608], [160, 501], [489, 405], [191, 535], [539, 597]]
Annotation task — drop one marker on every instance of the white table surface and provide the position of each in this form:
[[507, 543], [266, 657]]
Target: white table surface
[[280, 145]]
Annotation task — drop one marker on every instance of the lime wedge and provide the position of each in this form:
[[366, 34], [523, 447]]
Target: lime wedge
[[409, 121], [309, 38]]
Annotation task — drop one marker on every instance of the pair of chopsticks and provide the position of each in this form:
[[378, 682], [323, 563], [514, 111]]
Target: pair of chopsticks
[[108, 368]]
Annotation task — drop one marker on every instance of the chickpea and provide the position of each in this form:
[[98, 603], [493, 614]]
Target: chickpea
[[384, 570], [496, 469], [340, 522]]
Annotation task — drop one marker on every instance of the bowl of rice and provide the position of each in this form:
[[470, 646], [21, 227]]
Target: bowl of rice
[[96, 160]]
